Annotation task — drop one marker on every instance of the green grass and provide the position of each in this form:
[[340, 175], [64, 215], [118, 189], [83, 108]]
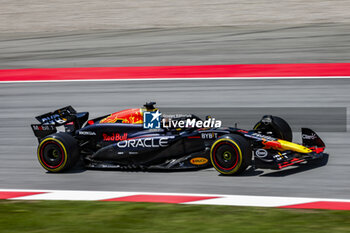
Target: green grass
[[80, 216]]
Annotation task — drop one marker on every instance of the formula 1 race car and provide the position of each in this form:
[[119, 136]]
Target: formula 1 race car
[[143, 139]]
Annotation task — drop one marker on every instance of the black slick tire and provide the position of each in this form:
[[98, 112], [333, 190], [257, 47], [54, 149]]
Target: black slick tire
[[231, 154], [58, 152]]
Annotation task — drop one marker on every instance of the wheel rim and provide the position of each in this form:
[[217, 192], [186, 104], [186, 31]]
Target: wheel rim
[[52, 154], [225, 156]]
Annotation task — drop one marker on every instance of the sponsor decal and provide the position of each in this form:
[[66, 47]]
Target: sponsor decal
[[87, 133], [261, 153], [52, 119], [43, 127], [209, 135], [199, 161], [278, 157], [128, 116], [144, 143], [308, 137], [151, 120], [261, 137], [272, 144], [114, 137]]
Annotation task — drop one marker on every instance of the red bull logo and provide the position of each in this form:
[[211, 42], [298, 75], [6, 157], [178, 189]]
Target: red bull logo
[[114, 137], [129, 116], [272, 145]]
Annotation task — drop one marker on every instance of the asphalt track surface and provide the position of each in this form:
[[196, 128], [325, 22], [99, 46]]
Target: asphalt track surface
[[306, 43], [20, 102]]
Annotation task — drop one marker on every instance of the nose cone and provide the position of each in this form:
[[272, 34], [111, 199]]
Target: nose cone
[[285, 145]]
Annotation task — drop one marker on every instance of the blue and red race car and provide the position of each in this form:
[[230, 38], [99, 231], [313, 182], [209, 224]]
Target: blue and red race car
[[142, 139]]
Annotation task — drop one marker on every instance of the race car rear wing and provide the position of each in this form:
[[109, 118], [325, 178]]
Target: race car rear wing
[[67, 116], [41, 131], [58, 117]]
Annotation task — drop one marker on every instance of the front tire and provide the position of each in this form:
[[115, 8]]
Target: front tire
[[274, 126], [58, 152], [231, 154]]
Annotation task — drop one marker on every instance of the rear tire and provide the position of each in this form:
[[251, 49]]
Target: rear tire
[[277, 128], [231, 154], [58, 152]]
